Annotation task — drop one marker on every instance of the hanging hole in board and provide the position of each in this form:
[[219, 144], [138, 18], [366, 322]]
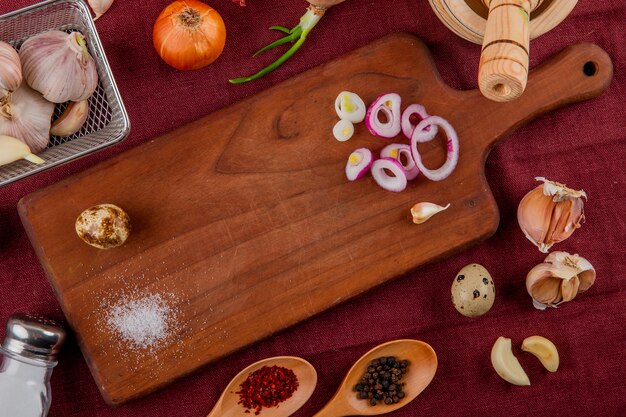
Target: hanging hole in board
[[590, 68]]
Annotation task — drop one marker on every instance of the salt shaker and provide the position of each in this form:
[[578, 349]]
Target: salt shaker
[[27, 357]]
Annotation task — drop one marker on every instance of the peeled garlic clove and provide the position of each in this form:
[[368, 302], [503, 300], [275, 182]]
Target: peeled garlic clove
[[26, 115], [544, 350], [99, 7], [12, 149], [10, 69], [550, 213], [424, 211], [72, 119], [559, 279], [58, 65], [506, 364]]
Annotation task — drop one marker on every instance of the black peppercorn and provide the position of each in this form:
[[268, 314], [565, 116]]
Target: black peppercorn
[[380, 383]]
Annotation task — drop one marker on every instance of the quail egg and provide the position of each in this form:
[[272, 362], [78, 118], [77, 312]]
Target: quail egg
[[473, 291], [104, 226]]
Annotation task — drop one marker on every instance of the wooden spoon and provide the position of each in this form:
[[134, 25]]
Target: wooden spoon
[[227, 405], [422, 368]]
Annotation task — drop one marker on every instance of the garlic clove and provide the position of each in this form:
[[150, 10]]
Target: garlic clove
[[10, 69], [13, 149], [587, 278], [544, 350], [569, 288], [550, 213], [424, 211], [542, 285], [506, 364], [72, 119], [26, 115], [99, 7], [59, 66]]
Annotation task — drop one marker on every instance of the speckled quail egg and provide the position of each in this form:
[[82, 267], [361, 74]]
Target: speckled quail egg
[[473, 291], [104, 226]]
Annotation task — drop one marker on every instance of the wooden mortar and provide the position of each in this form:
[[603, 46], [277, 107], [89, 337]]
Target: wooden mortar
[[504, 27]]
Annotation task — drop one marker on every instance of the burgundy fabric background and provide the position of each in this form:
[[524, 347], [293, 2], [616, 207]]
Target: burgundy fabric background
[[582, 145]]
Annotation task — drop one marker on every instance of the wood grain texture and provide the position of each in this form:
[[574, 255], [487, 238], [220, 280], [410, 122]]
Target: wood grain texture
[[468, 18], [503, 68], [245, 216]]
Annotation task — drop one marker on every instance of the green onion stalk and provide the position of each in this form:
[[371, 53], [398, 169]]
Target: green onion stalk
[[297, 34]]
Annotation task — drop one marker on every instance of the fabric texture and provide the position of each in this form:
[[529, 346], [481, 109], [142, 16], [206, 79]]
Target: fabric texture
[[582, 145]]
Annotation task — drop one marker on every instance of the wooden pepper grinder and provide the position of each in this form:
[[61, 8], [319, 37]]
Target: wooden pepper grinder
[[505, 28]]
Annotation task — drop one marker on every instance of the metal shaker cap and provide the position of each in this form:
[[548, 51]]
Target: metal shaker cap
[[35, 338]]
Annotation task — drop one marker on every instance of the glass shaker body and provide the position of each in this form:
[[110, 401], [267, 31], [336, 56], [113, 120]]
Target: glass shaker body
[[24, 386], [27, 356]]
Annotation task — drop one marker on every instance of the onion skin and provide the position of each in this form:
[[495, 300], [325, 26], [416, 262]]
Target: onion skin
[[189, 35], [325, 4]]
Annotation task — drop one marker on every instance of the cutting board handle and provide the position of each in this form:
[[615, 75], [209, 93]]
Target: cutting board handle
[[579, 72]]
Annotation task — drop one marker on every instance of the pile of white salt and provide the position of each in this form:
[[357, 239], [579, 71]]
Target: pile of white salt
[[143, 322]]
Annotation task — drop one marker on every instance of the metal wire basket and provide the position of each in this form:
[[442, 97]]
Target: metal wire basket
[[107, 122]]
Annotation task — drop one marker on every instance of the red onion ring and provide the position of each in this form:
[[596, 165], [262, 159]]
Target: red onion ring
[[359, 162], [395, 151], [408, 127], [452, 148], [395, 183], [389, 104]]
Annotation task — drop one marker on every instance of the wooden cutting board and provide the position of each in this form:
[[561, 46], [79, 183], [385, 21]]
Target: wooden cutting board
[[243, 221]]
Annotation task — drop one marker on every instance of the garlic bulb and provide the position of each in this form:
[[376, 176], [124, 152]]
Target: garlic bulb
[[59, 66], [550, 213], [10, 69], [26, 115], [424, 211], [99, 7], [559, 279]]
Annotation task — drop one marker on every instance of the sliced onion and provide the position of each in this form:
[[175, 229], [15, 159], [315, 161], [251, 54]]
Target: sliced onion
[[408, 127], [452, 148], [389, 105], [343, 130], [396, 151], [359, 162], [349, 106], [396, 182]]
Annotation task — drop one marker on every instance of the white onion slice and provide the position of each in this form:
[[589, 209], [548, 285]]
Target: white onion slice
[[349, 106], [343, 130], [396, 151], [452, 146], [408, 127], [389, 104], [396, 182], [359, 162]]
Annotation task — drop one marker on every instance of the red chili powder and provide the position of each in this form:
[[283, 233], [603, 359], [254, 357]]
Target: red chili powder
[[267, 387]]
